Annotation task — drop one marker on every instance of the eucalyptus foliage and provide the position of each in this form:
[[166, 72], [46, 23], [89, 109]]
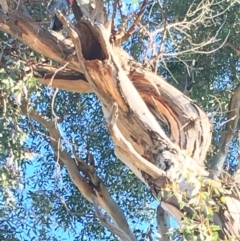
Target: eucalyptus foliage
[[38, 200]]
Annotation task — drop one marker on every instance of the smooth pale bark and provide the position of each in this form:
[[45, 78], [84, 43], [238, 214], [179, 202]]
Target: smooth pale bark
[[230, 130], [92, 188], [135, 102], [162, 223]]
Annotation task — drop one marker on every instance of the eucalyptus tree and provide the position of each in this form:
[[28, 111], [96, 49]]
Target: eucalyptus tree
[[141, 60]]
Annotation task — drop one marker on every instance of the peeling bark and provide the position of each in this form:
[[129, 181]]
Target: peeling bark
[[135, 102], [40, 40], [66, 79]]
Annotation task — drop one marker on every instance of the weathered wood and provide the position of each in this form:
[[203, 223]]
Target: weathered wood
[[66, 79], [40, 40], [143, 100]]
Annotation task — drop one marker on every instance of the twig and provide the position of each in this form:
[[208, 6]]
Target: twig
[[71, 212], [56, 71], [55, 93], [196, 49], [52, 104]]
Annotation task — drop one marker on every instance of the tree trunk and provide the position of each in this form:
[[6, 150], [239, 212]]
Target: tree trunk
[[138, 105]]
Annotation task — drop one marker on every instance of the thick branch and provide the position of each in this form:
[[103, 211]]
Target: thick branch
[[142, 99], [42, 41], [65, 79], [230, 130], [105, 222], [162, 223], [99, 190], [71, 166]]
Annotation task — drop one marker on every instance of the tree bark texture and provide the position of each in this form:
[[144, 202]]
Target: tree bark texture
[[159, 133]]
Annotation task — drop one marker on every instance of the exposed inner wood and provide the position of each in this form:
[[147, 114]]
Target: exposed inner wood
[[144, 100]]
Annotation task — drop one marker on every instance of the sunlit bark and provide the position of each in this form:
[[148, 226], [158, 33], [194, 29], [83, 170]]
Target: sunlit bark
[[135, 102]]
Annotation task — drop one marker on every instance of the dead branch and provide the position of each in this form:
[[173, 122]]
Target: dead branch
[[123, 146], [66, 79]]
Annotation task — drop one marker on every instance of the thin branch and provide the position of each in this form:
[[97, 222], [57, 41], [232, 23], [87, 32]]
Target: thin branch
[[52, 105], [237, 49], [196, 49], [132, 29], [201, 16], [28, 32], [56, 91], [77, 179], [71, 212], [58, 70]]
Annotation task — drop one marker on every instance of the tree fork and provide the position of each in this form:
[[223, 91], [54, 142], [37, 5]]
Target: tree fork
[[140, 96]]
